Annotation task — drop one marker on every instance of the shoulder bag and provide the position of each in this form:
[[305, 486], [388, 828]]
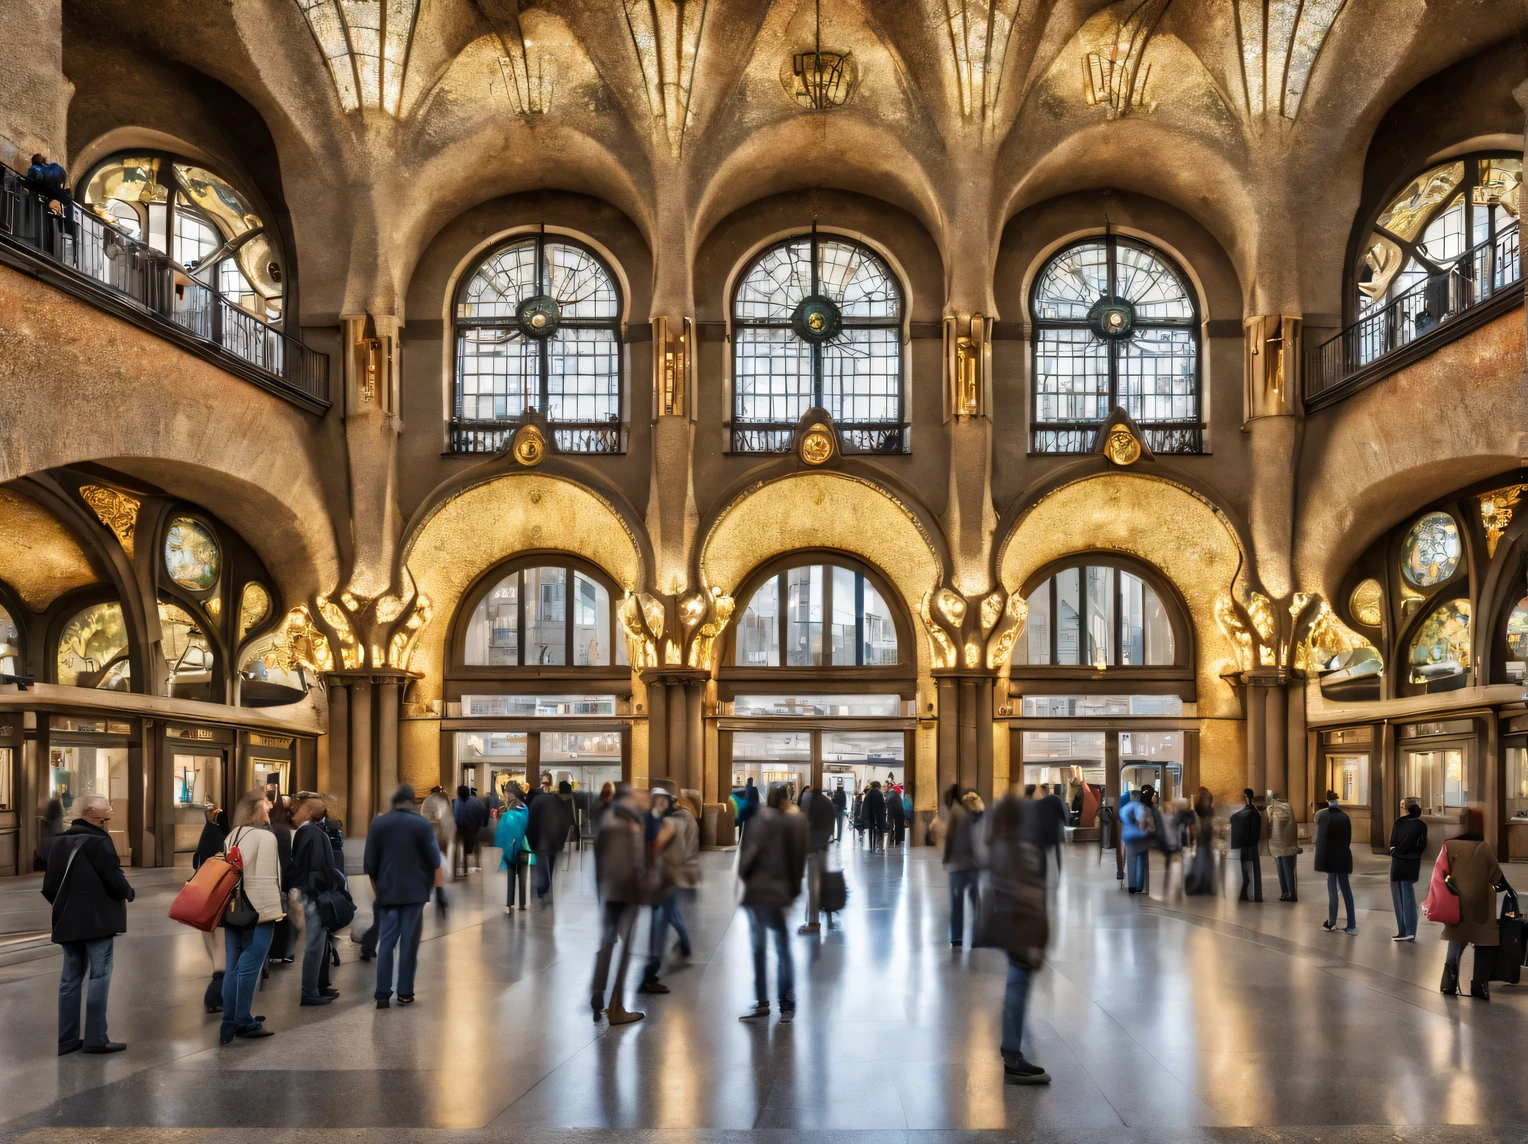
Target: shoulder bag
[[1442, 904]]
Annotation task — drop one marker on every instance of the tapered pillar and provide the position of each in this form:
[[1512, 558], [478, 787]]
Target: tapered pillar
[[657, 730], [387, 740], [1298, 793], [967, 766], [339, 748], [362, 800], [1257, 736], [695, 738], [949, 732], [1276, 719], [984, 785], [678, 733]]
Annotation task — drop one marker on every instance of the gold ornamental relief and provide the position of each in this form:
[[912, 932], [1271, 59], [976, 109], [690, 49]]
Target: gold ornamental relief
[[1122, 447], [1496, 513], [817, 445], [116, 510], [530, 446]]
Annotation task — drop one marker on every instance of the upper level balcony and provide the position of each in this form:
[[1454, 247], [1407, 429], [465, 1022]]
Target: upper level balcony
[[75, 250], [1484, 281]]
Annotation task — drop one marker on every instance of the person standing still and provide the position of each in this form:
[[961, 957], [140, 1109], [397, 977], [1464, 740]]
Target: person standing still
[[875, 817], [820, 816], [509, 837], [1138, 830], [771, 861], [1284, 846], [1408, 842], [840, 811], [403, 862], [1246, 834], [249, 924], [313, 873], [1334, 858], [89, 893]]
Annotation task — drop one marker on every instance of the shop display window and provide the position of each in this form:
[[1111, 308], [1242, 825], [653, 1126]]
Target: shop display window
[[11, 660], [92, 649], [198, 780], [1515, 800], [188, 656], [75, 770], [1441, 648], [1348, 775]]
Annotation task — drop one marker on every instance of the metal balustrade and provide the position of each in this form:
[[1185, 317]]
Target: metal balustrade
[[1421, 319], [869, 438], [1082, 437], [84, 247], [569, 436]]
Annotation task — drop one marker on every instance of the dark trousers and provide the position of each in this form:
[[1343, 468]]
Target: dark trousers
[[838, 826], [1335, 882], [762, 920], [96, 956], [519, 868], [1287, 881], [1403, 896], [315, 951], [1485, 961], [1252, 874], [398, 927], [665, 914], [962, 886], [618, 922], [545, 862]]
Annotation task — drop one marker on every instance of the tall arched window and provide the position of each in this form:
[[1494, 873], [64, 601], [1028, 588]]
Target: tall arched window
[[817, 321], [816, 615], [1116, 324], [1101, 614], [538, 326], [544, 613]]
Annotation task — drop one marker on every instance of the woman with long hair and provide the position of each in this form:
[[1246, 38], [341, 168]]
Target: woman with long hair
[[253, 912]]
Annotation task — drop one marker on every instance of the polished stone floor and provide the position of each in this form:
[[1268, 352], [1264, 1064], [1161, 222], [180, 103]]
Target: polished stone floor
[[1159, 1018]]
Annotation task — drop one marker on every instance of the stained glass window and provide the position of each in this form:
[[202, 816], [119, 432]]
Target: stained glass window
[[1517, 642], [832, 616], [1461, 215], [191, 555], [538, 326], [187, 654], [1430, 552], [1104, 615], [528, 619], [1441, 648], [92, 649], [1116, 325], [817, 321]]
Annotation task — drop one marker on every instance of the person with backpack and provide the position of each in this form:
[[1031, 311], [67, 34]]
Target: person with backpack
[[1015, 918], [253, 911], [1334, 858], [85, 885], [960, 855], [1138, 827], [313, 875]]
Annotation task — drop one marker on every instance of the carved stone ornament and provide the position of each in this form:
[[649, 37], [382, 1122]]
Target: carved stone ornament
[[1496, 513], [530, 446], [1122, 446], [117, 511], [817, 444]]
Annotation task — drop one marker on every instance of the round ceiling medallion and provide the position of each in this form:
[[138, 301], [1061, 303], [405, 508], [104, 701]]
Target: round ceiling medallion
[[1121, 447], [1112, 318], [530, 446], [817, 445], [817, 319], [539, 316]]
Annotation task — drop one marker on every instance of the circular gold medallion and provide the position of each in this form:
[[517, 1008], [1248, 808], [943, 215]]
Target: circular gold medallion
[[530, 446], [1122, 448], [817, 445]]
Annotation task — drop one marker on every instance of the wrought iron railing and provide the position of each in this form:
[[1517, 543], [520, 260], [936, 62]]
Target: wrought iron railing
[[1082, 436], [570, 436], [1493, 269], [869, 437], [84, 246]]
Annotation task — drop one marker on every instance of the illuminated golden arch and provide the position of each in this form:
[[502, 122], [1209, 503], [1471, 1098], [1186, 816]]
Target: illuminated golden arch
[[486, 524], [824, 510], [1169, 526]]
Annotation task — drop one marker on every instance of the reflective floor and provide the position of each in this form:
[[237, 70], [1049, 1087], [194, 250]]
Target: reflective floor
[[1157, 1017]]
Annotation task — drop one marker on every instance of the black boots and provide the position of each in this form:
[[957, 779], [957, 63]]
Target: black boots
[[213, 998], [1450, 984]]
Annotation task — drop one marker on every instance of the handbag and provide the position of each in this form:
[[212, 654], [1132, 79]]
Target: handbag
[[1442, 904], [203, 900]]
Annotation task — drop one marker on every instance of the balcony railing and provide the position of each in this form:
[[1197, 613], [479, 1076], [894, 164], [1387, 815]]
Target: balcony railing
[[570, 436], [869, 437], [87, 250], [1082, 436], [1418, 321]]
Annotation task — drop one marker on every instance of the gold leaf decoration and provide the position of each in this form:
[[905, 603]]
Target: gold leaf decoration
[[254, 606], [1496, 513], [116, 510], [941, 649], [299, 643]]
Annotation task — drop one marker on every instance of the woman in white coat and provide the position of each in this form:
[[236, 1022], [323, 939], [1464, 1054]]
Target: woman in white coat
[[253, 911]]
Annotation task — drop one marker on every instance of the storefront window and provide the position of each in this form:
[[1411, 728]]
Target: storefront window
[[587, 759], [855, 759], [1093, 706], [1436, 778], [770, 757], [1441, 648], [1348, 775], [1515, 804], [199, 780], [92, 650], [75, 770], [1056, 757]]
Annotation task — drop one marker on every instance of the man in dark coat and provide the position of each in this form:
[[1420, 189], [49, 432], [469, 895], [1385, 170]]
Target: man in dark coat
[[875, 815], [314, 873], [820, 816], [1334, 858], [841, 811], [1016, 920], [1246, 833], [622, 874], [771, 860], [547, 832], [1052, 824], [89, 895], [402, 857], [896, 814], [1408, 842], [470, 818]]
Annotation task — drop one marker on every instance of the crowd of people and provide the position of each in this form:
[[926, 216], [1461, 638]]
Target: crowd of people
[[1002, 862]]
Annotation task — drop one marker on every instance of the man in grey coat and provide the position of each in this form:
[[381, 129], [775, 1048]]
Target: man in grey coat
[[1284, 845]]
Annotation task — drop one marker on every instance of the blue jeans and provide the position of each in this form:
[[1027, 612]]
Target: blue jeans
[[1138, 867], [1333, 883], [1014, 1000], [761, 920], [1403, 895], [1287, 882], [398, 926], [962, 886], [245, 947], [665, 913], [78, 955]]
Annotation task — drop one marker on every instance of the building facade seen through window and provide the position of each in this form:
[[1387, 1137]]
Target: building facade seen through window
[[816, 615]]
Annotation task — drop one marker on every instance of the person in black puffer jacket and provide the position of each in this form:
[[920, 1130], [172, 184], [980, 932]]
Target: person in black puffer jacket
[[313, 873], [1408, 842]]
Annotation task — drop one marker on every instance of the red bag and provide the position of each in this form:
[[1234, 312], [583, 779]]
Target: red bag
[[202, 901], [1442, 904]]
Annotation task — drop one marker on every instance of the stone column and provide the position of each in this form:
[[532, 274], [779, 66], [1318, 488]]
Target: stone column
[[1298, 793], [695, 738], [387, 740], [362, 802], [1277, 752], [1257, 736], [678, 732], [657, 730], [984, 784]]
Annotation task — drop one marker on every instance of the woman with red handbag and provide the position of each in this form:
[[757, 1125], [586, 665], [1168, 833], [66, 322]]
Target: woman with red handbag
[[1472, 874]]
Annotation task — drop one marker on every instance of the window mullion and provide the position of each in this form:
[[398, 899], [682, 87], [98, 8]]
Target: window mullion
[[859, 620], [827, 611], [782, 652], [520, 617]]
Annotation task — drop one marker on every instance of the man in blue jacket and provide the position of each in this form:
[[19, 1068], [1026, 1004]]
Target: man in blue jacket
[[402, 858]]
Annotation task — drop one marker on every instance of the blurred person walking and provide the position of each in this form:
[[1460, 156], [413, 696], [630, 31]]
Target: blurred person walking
[[469, 816], [875, 817], [1408, 842], [1476, 878], [1334, 858], [314, 874], [961, 861], [509, 837], [404, 864], [1053, 820], [840, 811], [1139, 825], [771, 861], [85, 885], [284, 937], [547, 831], [1246, 835], [660, 836], [896, 815], [622, 875], [820, 817], [253, 911], [1284, 846], [439, 814]]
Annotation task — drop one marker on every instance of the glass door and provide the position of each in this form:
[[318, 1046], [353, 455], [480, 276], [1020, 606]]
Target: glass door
[[855, 759], [1438, 777], [769, 757], [196, 779]]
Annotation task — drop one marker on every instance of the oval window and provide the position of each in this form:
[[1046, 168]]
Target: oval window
[[191, 555], [1367, 602], [1431, 551]]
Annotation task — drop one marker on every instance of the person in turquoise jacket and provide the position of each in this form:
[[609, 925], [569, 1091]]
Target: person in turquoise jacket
[[510, 839]]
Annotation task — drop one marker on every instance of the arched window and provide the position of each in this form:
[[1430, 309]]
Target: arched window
[[1441, 648], [544, 614], [817, 321], [816, 615], [12, 658], [538, 326], [1116, 324], [93, 650], [199, 219], [1459, 214], [1098, 614]]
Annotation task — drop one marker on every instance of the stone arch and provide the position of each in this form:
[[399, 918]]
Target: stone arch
[[1176, 530]]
